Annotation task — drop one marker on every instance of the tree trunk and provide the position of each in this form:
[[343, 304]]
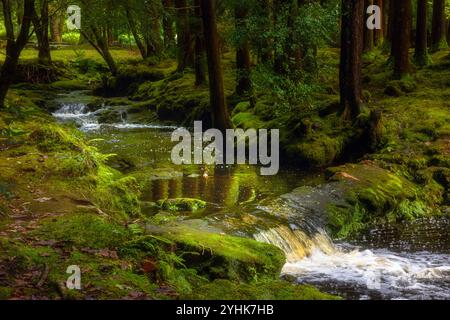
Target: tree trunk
[[155, 34], [41, 25], [368, 33], [438, 36], [169, 38], [220, 116], [378, 36], [351, 51], [55, 33], [184, 39], [134, 32], [401, 41], [14, 46], [244, 83], [199, 63], [391, 26], [421, 47], [98, 39]]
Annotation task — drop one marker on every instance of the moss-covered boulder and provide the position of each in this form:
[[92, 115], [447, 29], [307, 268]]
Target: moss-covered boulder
[[317, 150], [219, 256], [356, 196], [267, 290], [372, 195], [110, 116], [182, 204]]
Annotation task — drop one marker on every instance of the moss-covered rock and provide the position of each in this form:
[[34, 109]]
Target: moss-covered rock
[[69, 85], [182, 204], [266, 290], [219, 256], [372, 195], [317, 151], [110, 116]]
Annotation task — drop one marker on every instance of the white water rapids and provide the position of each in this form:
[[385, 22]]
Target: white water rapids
[[361, 273], [88, 121]]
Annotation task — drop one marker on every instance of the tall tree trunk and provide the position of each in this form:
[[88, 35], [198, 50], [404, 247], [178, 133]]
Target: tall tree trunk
[[378, 36], [134, 32], [41, 25], [368, 33], [244, 83], [401, 41], [391, 26], [55, 34], [14, 46], [184, 39], [438, 36], [155, 34], [421, 47], [169, 38], [199, 63], [220, 116], [351, 51], [98, 39]]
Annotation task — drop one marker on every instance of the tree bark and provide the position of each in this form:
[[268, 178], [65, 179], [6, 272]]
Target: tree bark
[[13, 46], [421, 47], [379, 33], [169, 38], [184, 39], [41, 24], [220, 116], [134, 32], [199, 63], [438, 36], [351, 51], [98, 39], [391, 26], [368, 33], [401, 41], [244, 83]]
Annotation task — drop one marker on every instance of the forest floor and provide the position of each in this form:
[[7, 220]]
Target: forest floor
[[60, 205]]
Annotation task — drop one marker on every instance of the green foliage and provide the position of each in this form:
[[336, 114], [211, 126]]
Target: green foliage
[[288, 94], [72, 38]]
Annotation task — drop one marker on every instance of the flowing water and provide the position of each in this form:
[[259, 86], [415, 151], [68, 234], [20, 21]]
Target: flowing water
[[411, 261]]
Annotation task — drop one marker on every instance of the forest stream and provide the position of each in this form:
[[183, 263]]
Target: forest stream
[[411, 261]]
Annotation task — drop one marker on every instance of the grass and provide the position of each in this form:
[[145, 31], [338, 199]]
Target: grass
[[72, 53]]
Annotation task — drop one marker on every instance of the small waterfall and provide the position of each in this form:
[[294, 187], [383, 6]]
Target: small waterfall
[[78, 113], [87, 120], [296, 244]]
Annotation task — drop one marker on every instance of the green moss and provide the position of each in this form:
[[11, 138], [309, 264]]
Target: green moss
[[397, 88], [226, 257], [373, 195], [52, 137], [268, 290], [69, 85], [182, 204], [318, 150], [83, 231], [241, 107], [247, 120], [5, 293]]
